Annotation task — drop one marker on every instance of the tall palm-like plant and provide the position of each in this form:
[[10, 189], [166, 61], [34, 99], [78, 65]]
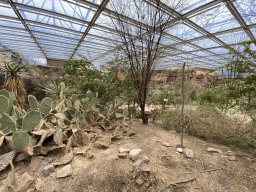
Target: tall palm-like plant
[[13, 82]]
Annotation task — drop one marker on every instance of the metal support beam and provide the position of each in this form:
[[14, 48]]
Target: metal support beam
[[94, 19], [239, 18], [25, 25]]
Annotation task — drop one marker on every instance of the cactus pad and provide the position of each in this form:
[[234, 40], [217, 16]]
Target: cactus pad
[[32, 102], [77, 105], [31, 120], [20, 140], [8, 123], [4, 93], [54, 104], [126, 113], [12, 96], [19, 121], [74, 97], [69, 103], [89, 94], [4, 102], [16, 112], [46, 105], [95, 100]]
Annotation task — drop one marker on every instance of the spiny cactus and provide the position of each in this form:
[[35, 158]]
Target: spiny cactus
[[89, 94], [32, 102], [77, 105], [31, 120], [13, 117], [8, 123], [4, 103], [74, 97], [20, 139], [4, 93], [46, 106]]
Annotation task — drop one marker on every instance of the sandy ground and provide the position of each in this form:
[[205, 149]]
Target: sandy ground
[[106, 172]]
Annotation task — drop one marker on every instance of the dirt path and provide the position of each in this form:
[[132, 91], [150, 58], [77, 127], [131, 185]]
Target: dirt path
[[106, 172]]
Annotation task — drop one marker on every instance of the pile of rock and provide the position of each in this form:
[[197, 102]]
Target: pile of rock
[[140, 172]]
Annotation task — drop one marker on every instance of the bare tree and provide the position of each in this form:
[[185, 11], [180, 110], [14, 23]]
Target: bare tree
[[141, 37]]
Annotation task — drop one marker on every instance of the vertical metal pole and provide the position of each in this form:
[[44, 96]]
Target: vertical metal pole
[[182, 104]]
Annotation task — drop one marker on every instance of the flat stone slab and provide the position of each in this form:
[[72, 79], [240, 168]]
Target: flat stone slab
[[64, 171], [213, 150]]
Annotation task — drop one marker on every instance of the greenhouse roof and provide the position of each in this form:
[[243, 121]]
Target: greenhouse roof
[[62, 29]]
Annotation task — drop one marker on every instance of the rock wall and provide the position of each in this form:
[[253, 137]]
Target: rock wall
[[203, 76]]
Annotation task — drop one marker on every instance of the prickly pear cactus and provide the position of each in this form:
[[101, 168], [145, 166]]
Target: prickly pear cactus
[[31, 120], [46, 106], [32, 102], [89, 94], [4, 103], [8, 123], [4, 93], [20, 139]]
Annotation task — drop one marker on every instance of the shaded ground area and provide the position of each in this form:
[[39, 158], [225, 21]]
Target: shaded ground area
[[169, 169]]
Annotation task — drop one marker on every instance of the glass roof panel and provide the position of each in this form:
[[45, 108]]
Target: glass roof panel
[[11, 32], [247, 9], [253, 31], [7, 12], [54, 31], [11, 23], [215, 20], [62, 7], [136, 11], [185, 6], [53, 21], [58, 26], [206, 43], [219, 51], [201, 53], [233, 38], [184, 32]]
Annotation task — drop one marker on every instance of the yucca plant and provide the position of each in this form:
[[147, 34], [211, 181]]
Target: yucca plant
[[13, 82]]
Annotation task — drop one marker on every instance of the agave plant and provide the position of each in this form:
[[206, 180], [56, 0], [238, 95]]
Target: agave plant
[[13, 82], [54, 87]]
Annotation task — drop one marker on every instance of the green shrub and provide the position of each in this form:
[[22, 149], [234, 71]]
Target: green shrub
[[217, 96]]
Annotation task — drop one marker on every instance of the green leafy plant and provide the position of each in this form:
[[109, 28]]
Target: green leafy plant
[[55, 88], [242, 88]]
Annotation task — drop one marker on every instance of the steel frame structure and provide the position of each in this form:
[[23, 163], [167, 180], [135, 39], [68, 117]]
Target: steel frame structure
[[54, 33]]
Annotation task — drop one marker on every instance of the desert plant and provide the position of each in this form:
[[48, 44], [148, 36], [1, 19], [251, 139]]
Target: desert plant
[[17, 122], [55, 88], [14, 82]]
